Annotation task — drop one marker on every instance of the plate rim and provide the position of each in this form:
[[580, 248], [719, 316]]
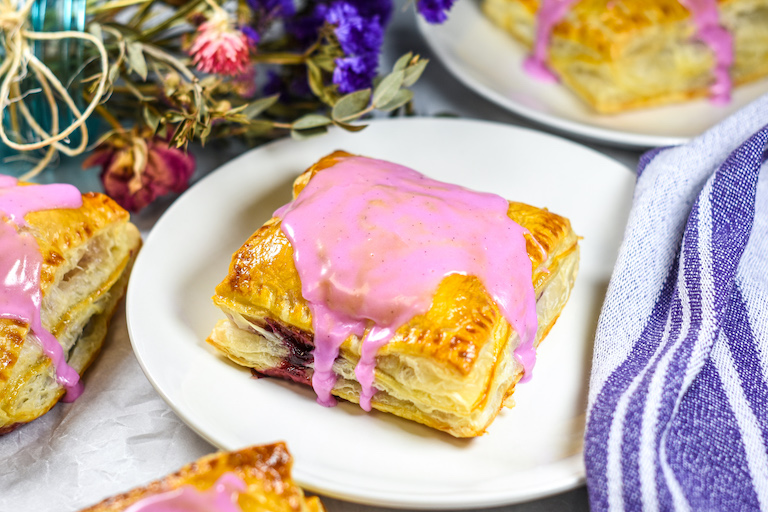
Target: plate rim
[[466, 499]]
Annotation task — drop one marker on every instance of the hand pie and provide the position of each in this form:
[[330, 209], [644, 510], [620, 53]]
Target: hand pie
[[65, 264], [446, 354], [628, 54], [254, 479]]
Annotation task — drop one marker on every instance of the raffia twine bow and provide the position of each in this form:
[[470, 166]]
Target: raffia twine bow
[[20, 58]]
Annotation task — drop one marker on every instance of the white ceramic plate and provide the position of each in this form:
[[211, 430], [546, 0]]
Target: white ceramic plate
[[530, 451], [488, 60]]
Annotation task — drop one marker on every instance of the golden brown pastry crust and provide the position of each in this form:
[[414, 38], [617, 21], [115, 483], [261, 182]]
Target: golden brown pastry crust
[[266, 470], [629, 54], [87, 255], [462, 339]]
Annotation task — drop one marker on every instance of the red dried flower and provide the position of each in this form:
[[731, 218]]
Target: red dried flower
[[137, 170]]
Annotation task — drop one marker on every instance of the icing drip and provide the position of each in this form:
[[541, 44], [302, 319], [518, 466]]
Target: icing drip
[[709, 30], [222, 497], [550, 13], [21, 262], [719, 40], [373, 240]]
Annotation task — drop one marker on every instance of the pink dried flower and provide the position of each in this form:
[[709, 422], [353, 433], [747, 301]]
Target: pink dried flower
[[137, 171], [219, 47]]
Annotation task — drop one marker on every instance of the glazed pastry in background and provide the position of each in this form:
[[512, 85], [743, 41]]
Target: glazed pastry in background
[[619, 55], [64, 262], [363, 327], [249, 480]]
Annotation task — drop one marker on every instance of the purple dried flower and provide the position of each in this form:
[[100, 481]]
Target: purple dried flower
[[304, 28], [434, 11], [355, 73], [359, 30], [276, 7], [251, 33], [360, 37], [357, 35], [373, 8], [273, 84]]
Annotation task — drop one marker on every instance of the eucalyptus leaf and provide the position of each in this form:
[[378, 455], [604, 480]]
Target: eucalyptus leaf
[[136, 59], [402, 62], [315, 77], [388, 88], [256, 108], [152, 118], [413, 72], [175, 117], [325, 62], [260, 127], [351, 106], [350, 127], [234, 111], [402, 97], [205, 133], [306, 134], [310, 121]]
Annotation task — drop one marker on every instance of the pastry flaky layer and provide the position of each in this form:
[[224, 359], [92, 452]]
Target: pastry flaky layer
[[265, 470], [450, 368], [87, 254], [622, 55]]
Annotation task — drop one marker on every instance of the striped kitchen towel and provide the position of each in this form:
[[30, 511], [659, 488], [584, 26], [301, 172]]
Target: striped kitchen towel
[[678, 401]]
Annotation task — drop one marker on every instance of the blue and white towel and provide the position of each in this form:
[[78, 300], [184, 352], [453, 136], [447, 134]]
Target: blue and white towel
[[678, 403]]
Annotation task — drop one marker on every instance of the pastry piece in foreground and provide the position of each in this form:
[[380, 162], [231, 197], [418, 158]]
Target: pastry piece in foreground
[[68, 258], [628, 54], [249, 480], [449, 364]]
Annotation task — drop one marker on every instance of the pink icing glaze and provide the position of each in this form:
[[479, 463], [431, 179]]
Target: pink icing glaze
[[719, 40], [20, 264], [550, 13], [709, 30], [372, 240], [222, 497]]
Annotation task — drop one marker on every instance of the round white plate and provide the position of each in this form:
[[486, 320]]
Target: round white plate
[[487, 59], [530, 451]]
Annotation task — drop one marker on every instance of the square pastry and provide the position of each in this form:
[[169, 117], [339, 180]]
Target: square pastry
[[64, 262], [619, 55], [380, 286], [254, 479]]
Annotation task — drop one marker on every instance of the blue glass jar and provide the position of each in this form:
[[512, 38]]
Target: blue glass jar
[[65, 58]]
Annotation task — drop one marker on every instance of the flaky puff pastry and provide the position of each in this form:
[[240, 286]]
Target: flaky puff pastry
[[87, 255], [620, 55], [265, 470], [450, 368]]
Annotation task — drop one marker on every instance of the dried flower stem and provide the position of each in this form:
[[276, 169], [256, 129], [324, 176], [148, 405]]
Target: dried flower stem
[[113, 5], [109, 118], [181, 13]]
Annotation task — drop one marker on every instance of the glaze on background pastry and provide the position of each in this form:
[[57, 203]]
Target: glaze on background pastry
[[618, 55], [254, 479], [413, 309], [64, 262]]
